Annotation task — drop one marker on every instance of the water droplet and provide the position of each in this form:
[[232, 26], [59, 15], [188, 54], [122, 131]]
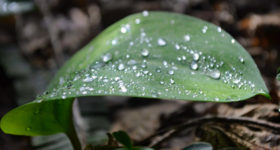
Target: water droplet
[[114, 42], [145, 53], [187, 37], [161, 42], [137, 21], [204, 29], [158, 70], [177, 47], [121, 67], [219, 29], [194, 65], [171, 72], [236, 81], [241, 59], [123, 88], [61, 80], [179, 58], [145, 13], [233, 41], [107, 57], [172, 81], [63, 96], [132, 62], [215, 74], [123, 30], [195, 56], [165, 64]]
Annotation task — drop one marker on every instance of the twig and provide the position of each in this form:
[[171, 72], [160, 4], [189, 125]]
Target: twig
[[165, 134]]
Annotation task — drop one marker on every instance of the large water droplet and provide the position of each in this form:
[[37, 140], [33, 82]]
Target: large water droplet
[[121, 67], [187, 37], [161, 42], [63, 96], [172, 81], [215, 74], [171, 72], [145, 53], [107, 57], [204, 29], [219, 29], [194, 65], [123, 88], [137, 21], [145, 13], [195, 56], [123, 30], [114, 42]]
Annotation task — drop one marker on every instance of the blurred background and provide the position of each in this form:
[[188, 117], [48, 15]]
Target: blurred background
[[37, 37]]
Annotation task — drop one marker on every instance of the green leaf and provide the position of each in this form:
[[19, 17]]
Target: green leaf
[[199, 146], [38, 118], [151, 55], [179, 58], [124, 139]]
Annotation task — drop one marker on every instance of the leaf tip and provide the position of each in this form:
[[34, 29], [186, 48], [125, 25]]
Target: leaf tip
[[265, 94]]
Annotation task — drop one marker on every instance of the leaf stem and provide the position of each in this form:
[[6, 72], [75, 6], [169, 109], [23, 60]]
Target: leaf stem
[[72, 135]]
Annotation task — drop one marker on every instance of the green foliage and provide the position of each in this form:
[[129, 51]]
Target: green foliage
[[150, 55], [124, 139]]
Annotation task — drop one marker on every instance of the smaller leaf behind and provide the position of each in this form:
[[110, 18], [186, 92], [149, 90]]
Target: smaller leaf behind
[[123, 138]]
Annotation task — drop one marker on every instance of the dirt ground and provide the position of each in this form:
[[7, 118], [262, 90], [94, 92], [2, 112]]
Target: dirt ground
[[36, 43]]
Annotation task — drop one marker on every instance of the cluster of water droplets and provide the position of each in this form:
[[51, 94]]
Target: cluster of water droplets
[[138, 71]]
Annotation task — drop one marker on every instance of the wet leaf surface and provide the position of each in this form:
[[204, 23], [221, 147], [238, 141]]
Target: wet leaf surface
[[180, 58]]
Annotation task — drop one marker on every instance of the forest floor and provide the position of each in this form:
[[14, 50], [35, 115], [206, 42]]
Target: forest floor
[[36, 43]]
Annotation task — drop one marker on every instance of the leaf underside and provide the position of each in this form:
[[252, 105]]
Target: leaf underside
[[150, 55]]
